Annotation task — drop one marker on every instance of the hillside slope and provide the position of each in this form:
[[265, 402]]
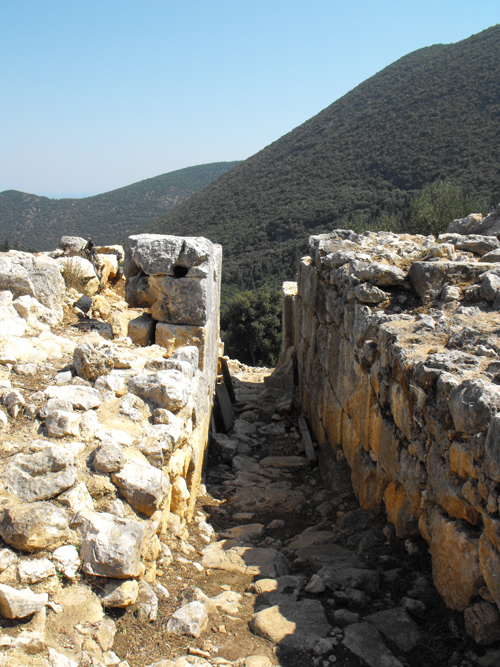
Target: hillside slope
[[434, 113], [39, 222]]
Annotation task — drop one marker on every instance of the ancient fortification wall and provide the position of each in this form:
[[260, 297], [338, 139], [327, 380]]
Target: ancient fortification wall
[[178, 280], [397, 342]]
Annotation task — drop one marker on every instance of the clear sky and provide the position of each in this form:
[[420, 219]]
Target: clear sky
[[98, 94]]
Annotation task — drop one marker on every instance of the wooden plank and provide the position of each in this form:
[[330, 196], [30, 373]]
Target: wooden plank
[[227, 380], [225, 405], [307, 442]]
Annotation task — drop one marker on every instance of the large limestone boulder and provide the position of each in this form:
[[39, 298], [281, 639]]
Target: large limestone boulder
[[79, 273], [33, 526], [19, 604], [11, 323], [111, 547], [36, 275], [172, 276], [72, 245], [42, 475], [142, 485], [167, 389]]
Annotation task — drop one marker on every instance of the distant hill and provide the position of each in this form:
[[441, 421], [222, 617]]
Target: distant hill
[[39, 222], [434, 113]]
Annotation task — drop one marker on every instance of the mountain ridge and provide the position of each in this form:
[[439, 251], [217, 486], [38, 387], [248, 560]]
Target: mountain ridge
[[105, 217], [433, 113]]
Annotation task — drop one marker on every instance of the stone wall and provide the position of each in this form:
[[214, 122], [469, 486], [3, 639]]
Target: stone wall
[[178, 280], [397, 343]]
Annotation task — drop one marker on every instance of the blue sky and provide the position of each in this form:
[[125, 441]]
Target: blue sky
[[98, 94]]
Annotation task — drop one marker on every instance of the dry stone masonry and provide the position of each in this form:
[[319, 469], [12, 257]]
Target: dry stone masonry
[[103, 441], [397, 343]]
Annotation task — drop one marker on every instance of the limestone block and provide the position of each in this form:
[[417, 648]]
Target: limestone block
[[118, 593], [476, 243], [492, 256], [180, 497], [77, 498], [482, 622], [108, 458], [11, 322], [72, 244], [81, 397], [191, 619], [490, 282], [367, 293], [109, 266], [39, 525], [35, 275], [381, 275], [401, 512], [143, 486], [60, 423], [166, 389], [443, 490], [462, 460], [401, 410], [42, 475], [20, 603], [14, 402], [174, 336], [33, 571], [473, 404], [429, 278], [67, 560], [180, 300], [111, 547], [292, 624], [141, 330], [90, 363], [492, 448], [489, 560], [158, 254], [455, 561]]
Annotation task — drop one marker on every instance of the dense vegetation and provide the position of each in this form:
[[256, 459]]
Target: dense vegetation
[[251, 326], [40, 222], [434, 114]]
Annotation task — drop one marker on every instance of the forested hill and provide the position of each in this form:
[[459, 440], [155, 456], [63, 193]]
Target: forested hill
[[434, 113], [39, 222]]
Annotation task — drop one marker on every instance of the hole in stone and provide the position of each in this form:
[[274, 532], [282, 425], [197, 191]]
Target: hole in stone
[[180, 271]]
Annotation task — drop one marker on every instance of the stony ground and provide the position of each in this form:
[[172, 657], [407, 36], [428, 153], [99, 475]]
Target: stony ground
[[290, 572]]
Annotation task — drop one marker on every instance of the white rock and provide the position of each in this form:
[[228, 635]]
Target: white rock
[[89, 424], [191, 619], [3, 419], [81, 397], [33, 571], [63, 377], [57, 659], [20, 603], [7, 558], [60, 423], [67, 560], [77, 498]]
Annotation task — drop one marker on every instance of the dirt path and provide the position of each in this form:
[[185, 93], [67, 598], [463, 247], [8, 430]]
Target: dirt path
[[292, 573]]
